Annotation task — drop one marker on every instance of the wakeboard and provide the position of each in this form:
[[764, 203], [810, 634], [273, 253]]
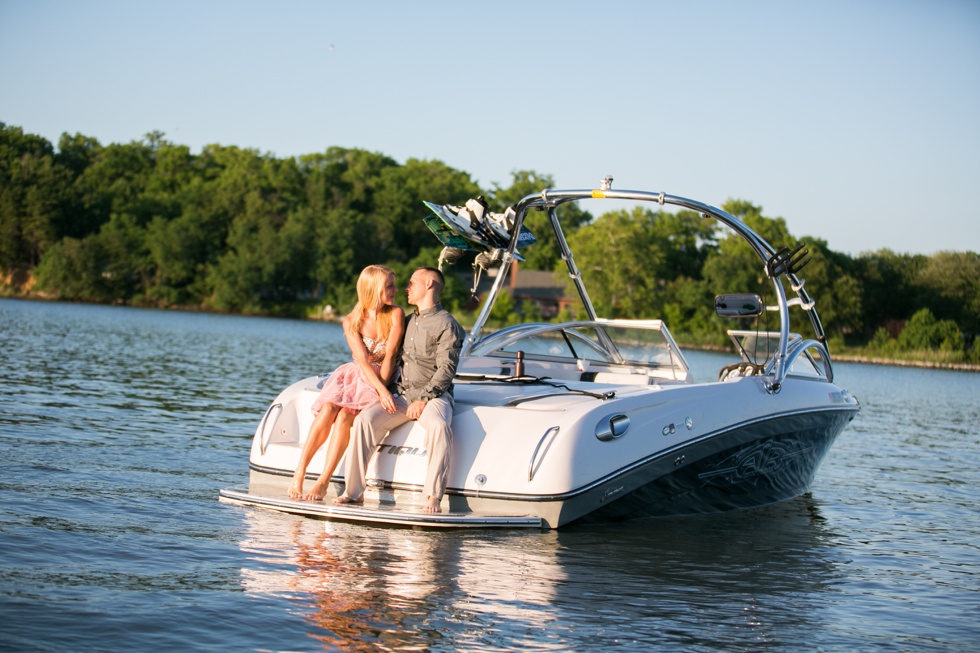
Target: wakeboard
[[454, 230]]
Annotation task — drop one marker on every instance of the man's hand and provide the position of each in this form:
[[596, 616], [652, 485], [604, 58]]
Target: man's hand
[[415, 409]]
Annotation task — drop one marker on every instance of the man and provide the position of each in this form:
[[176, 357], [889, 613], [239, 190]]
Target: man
[[430, 353]]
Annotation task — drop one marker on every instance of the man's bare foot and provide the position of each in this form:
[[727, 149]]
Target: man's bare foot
[[433, 505], [317, 493], [295, 490], [343, 498]]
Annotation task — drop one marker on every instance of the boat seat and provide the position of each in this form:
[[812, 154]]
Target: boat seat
[[741, 369]]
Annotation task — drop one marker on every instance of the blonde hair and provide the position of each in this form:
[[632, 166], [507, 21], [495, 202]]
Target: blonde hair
[[370, 295]]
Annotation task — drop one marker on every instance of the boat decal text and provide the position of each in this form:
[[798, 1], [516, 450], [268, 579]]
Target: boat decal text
[[397, 450]]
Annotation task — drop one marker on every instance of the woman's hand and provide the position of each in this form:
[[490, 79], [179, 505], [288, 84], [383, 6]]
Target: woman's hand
[[387, 401]]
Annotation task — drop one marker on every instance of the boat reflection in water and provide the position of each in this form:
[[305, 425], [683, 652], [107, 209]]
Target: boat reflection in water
[[766, 575], [398, 588]]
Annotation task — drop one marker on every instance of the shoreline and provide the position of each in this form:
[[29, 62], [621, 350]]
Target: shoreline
[[839, 358], [873, 360]]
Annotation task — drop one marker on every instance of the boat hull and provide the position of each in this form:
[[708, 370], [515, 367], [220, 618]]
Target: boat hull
[[749, 466], [741, 466]]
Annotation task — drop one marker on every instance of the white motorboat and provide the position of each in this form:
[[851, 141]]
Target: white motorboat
[[594, 420]]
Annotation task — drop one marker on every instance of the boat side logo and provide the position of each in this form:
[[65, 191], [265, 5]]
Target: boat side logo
[[397, 450]]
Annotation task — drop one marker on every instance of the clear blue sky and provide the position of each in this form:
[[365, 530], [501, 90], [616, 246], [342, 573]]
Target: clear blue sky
[[856, 121]]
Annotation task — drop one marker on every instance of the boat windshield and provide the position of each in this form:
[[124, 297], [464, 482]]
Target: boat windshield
[[758, 347], [636, 347]]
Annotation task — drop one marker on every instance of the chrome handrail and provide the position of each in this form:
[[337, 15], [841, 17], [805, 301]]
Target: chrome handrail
[[264, 441], [530, 466], [802, 346]]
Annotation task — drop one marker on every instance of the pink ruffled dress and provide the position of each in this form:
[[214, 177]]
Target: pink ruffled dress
[[347, 387]]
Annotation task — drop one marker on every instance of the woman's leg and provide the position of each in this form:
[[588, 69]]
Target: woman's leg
[[319, 431], [335, 451]]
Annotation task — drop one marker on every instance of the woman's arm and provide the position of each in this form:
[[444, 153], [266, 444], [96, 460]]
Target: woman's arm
[[394, 344]]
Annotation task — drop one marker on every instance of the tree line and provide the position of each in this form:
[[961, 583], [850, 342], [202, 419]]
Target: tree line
[[230, 229]]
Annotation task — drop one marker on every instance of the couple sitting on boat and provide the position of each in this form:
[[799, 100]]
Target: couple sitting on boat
[[356, 395]]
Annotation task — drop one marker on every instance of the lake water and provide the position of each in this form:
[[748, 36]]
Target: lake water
[[118, 426]]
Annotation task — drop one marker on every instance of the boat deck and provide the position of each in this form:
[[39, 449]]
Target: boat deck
[[376, 512]]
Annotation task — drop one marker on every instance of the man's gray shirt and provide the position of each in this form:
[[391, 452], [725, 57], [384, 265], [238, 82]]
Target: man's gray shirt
[[430, 354]]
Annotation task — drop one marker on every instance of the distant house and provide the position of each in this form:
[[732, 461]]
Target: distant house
[[539, 287]]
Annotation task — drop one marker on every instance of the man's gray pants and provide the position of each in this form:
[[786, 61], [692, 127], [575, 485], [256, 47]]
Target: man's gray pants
[[374, 423]]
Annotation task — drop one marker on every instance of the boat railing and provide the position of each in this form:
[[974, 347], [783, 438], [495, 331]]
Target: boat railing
[[802, 347], [553, 431], [267, 436]]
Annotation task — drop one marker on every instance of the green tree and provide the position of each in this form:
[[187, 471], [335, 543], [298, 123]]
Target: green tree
[[952, 281], [249, 276], [924, 332], [76, 153], [504, 311], [231, 228], [397, 220], [545, 253], [126, 268], [689, 312], [246, 199], [888, 292], [179, 251], [688, 239], [734, 266], [173, 171], [72, 269], [342, 252], [882, 344], [41, 207], [616, 255], [341, 188], [77, 217], [114, 183], [31, 187]]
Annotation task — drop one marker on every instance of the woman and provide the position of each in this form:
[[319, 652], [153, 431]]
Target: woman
[[374, 330]]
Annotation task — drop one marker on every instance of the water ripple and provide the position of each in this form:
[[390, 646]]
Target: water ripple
[[118, 427]]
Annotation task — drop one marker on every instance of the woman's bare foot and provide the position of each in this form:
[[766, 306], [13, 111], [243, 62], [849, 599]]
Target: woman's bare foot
[[317, 493], [433, 505], [295, 490], [343, 499]]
